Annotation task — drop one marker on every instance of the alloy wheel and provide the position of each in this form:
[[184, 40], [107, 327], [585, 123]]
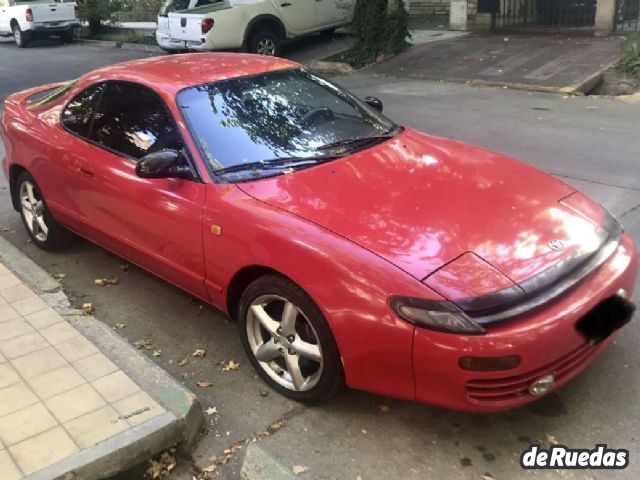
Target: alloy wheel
[[266, 46], [284, 342], [33, 210], [17, 35]]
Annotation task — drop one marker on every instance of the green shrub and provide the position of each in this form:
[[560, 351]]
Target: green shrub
[[379, 29], [96, 11], [630, 61]]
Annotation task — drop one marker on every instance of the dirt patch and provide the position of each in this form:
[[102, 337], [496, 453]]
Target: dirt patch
[[615, 82]]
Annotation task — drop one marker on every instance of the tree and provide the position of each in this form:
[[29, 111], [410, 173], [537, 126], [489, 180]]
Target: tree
[[381, 28], [95, 12]]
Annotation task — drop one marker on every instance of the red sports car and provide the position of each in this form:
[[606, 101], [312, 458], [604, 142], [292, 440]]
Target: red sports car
[[349, 248]]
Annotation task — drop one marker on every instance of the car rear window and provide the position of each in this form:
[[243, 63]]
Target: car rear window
[[49, 96]]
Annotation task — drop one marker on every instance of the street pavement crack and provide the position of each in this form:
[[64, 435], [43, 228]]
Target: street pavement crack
[[631, 210], [637, 189]]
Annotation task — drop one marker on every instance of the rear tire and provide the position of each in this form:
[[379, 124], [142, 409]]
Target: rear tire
[[19, 37], [68, 37], [288, 341], [265, 42], [45, 232]]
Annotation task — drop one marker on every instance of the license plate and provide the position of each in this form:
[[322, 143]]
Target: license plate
[[53, 24], [193, 44], [607, 317]]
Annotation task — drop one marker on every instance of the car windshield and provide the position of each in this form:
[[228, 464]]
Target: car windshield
[[277, 121]]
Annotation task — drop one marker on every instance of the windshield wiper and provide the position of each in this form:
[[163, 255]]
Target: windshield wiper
[[277, 163], [355, 141]]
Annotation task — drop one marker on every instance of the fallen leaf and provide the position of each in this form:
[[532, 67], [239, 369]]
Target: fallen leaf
[[359, 477], [88, 308], [59, 276], [276, 426], [204, 384], [209, 469], [264, 393], [105, 282], [200, 353], [487, 477], [299, 469], [119, 326], [552, 439], [183, 362], [162, 467], [157, 353], [384, 408], [211, 410], [145, 343], [125, 267], [231, 365]]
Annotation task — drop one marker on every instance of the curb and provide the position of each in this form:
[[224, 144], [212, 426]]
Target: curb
[[260, 465], [180, 424], [331, 68], [139, 47]]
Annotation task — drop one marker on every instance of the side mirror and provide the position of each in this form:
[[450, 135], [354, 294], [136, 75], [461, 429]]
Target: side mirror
[[163, 164], [375, 103]]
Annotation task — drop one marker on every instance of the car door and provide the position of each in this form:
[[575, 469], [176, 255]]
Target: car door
[[299, 16], [155, 223], [333, 12], [4, 16]]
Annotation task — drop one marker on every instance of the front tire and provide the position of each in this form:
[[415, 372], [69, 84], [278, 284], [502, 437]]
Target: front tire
[[288, 340], [43, 229], [19, 37], [265, 42]]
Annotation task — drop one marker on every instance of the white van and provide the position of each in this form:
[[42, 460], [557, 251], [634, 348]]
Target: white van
[[256, 26]]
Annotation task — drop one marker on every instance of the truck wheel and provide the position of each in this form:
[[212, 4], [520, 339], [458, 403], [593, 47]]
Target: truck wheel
[[68, 37], [21, 38], [265, 42]]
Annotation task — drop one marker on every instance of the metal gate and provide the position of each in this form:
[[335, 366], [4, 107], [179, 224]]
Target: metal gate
[[627, 16], [544, 15]]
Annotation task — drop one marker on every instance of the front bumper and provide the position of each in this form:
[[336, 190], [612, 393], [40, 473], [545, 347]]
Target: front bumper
[[546, 340]]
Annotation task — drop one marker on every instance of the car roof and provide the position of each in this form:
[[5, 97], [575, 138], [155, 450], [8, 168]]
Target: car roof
[[172, 73]]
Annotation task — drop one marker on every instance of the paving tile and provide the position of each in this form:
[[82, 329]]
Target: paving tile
[[16, 397], [17, 292], [8, 468], [14, 328], [75, 402], [59, 332], [43, 318], [8, 280], [43, 450], [38, 362], [115, 386], [7, 312], [76, 348], [8, 375], [95, 366], [56, 381], [94, 427], [25, 423], [29, 305], [23, 345], [138, 408]]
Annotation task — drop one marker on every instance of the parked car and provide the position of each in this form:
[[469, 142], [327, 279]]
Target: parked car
[[30, 19], [256, 26], [349, 248]]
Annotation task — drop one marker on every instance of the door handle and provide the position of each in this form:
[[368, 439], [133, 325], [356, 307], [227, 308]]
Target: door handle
[[85, 171], [285, 4]]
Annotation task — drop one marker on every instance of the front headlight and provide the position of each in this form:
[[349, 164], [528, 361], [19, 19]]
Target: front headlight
[[442, 316]]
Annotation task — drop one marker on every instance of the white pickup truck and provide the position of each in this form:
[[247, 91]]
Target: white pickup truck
[[256, 26], [29, 19]]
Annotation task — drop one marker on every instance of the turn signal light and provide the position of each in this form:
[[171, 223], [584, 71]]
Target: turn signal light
[[29, 15], [207, 24], [489, 364]]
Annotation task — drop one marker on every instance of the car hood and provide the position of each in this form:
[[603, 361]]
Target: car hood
[[421, 201]]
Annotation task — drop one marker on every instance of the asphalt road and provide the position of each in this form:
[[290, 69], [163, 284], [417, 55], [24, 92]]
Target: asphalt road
[[591, 143]]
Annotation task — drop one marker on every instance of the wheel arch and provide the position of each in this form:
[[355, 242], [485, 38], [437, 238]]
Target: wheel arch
[[14, 172], [13, 23], [264, 21], [242, 279]]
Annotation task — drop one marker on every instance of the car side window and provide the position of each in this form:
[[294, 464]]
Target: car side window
[[132, 120], [77, 115]]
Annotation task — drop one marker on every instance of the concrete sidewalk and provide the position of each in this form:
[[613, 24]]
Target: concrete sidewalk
[[76, 399], [537, 62]]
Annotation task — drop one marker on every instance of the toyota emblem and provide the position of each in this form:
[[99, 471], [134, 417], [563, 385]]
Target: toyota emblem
[[556, 245]]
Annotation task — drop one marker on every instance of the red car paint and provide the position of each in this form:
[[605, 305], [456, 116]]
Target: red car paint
[[385, 221]]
